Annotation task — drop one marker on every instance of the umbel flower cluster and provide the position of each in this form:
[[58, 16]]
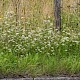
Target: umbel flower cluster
[[41, 40]]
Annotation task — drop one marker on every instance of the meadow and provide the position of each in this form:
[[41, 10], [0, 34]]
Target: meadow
[[34, 48]]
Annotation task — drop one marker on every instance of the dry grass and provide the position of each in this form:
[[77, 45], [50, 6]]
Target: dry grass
[[45, 7]]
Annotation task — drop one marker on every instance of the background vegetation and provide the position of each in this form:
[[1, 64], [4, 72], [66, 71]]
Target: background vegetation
[[29, 44]]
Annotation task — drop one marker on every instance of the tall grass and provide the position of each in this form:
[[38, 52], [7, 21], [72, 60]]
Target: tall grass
[[40, 51]]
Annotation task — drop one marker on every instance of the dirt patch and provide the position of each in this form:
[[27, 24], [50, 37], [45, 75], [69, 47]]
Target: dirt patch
[[42, 77]]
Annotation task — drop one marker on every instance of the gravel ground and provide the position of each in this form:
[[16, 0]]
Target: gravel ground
[[46, 78]]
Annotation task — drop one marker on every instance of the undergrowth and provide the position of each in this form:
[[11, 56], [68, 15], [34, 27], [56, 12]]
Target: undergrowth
[[40, 50]]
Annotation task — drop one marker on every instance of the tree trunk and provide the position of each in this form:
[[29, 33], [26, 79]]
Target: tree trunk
[[57, 14], [24, 16], [16, 5]]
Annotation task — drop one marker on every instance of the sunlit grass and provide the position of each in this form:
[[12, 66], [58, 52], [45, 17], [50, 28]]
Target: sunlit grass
[[39, 49]]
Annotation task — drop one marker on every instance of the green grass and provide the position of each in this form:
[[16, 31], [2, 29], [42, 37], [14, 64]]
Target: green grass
[[40, 50], [38, 65]]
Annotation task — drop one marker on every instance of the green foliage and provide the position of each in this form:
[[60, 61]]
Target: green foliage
[[39, 50]]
